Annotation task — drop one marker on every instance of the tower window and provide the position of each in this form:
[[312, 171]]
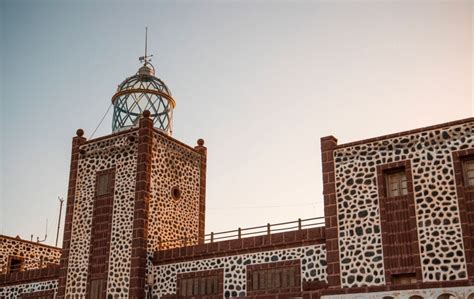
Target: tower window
[[15, 264], [96, 288], [104, 183], [468, 171], [396, 183]]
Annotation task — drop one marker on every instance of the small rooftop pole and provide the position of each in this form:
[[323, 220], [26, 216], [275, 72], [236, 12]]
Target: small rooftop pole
[[45, 234], [145, 59], [146, 42], [61, 200]]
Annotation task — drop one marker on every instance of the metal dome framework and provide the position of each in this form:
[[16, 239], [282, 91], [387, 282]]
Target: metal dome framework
[[141, 92]]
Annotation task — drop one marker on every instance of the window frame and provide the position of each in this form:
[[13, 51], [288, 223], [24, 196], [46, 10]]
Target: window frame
[[389, 173], [101, 287], [189, 278], [15, 257], [110, 174], [465, 160], [292, 266]]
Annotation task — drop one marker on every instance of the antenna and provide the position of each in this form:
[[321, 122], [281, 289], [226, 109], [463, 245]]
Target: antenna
[[61, 201], [147, 58], [45, 234]]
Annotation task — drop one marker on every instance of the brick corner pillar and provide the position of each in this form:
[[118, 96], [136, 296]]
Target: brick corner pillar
[[202, 192], [328, 144], [77, 141], [140, 213]]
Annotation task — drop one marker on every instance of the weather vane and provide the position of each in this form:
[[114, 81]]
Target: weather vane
[[146, 58]]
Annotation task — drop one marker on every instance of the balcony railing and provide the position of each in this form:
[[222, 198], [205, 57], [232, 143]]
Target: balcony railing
[[244, 232]]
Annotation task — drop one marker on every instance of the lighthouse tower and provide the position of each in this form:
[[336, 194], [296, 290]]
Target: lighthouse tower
[[130, 193]]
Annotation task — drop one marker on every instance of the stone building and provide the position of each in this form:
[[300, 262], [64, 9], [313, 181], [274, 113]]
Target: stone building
[[399, 219]]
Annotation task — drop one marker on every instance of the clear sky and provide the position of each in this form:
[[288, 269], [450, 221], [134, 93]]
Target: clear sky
[[260, 81]]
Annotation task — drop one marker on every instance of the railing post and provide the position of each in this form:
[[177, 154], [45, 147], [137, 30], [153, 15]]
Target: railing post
[[268, 228], [240, 232], [299, 223], [212, 237]]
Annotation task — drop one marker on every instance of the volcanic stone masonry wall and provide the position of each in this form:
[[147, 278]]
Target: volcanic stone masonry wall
[[174, 165], [35, 255], [436, 205], [312, 259], [119, 152], [456, 292], [14, 291]]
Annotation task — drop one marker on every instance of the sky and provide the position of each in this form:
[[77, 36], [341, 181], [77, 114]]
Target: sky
[[260, 81]]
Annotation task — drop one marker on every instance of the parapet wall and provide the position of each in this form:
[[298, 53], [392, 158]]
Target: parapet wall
[[33, 255]]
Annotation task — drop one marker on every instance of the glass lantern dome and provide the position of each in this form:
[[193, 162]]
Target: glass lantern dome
[[141, 92]]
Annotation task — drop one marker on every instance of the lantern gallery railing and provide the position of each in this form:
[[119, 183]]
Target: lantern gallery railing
[[244, 232]]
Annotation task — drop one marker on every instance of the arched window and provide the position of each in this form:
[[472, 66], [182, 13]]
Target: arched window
[[416, 297], [471, 296], [446, 296], [388, 297]]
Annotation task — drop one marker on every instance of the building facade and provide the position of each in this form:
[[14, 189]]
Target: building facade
[[399, 219]]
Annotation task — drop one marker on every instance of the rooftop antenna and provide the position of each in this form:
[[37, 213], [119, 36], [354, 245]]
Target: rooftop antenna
[[45, 234], [147, 58], [61, 201]]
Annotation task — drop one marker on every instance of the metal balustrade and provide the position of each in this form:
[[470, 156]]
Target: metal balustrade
[[244, 232]]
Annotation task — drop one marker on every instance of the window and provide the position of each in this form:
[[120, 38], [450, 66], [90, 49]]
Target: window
[[471, 296], [468, 171], [15, 264], [274, 278], [446, 296], [96, 288], [199, 286], [396, 183], [104, 183], [404, 279], [416, 297]]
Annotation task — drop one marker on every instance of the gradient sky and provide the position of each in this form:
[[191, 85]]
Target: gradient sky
[[260, 81]]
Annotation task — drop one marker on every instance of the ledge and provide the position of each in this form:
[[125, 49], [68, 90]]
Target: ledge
[[48, 273]]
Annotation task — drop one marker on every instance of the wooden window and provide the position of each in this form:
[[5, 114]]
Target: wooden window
[[404, 279], [15, 264], [97, 289], [396, 183], [104, 183], [468, 171], [274, 278], [199, 286]]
